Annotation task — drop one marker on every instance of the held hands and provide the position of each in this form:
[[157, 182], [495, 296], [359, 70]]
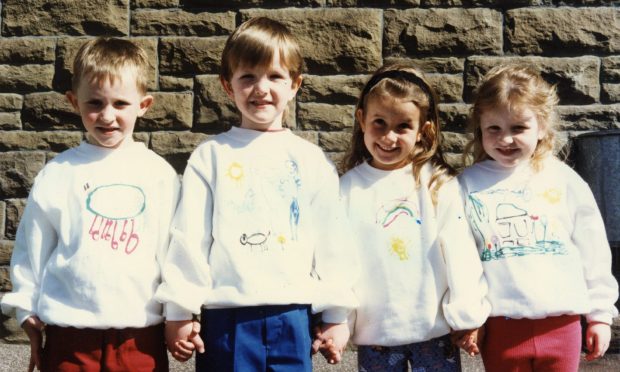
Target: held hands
[[597, 340], [34, 327], [468, 340], [182, 338], [331, 340]]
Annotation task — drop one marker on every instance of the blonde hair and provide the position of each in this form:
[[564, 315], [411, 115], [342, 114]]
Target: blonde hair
[[105, 58], [405, 83], [514, 88]]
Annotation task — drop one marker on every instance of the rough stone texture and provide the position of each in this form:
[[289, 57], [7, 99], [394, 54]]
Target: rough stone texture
[[27, 50], [453, 116], [577, 79], [48, 111], [179, 22], [5, 282], [175, 83], [2, 219], [55, 141], [308, 135], [325, 117], [176, 147], [26, 78], [237, 4], [6, 248], [449, 88], [341, 89], [14, 211], [53, 17], [169, 111], [335, 141], [195, 54], [610, 69], [10, 120], [154, 4], [448, 65], [416, 32], [454, 142], [17, 172], [333, 40], [591, 117], [68, 47], [10, 102], [391, 3], [564, 31], [213, 110], [11, 332], [610, 93]]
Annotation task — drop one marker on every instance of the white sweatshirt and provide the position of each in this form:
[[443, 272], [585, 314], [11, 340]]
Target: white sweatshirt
[[541, 240], [421, 272], [92, 237], [259, 223]]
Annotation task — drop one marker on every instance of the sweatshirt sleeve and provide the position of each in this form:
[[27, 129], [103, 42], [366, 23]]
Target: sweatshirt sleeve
[[590, 238], [335, 259], [34, 243], [185, 276], [465, 305]]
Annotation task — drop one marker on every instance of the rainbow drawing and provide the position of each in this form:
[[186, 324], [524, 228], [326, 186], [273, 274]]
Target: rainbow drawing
[[388, 214]]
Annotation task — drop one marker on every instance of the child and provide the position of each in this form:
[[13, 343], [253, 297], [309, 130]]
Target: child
[[86, 261], [258, 236], [422, 275], [540, 235]]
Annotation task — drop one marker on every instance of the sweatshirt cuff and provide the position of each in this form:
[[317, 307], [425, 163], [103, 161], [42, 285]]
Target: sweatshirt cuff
[[600, 316], [174, 312], [22, 315], [336, 315]]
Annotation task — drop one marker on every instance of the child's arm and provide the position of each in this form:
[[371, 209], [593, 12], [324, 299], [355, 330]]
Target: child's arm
[[598, 336], [182, 338], [33, 327]]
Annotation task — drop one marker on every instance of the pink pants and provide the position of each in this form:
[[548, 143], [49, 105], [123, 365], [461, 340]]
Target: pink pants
[[69, 349], [550, 344]]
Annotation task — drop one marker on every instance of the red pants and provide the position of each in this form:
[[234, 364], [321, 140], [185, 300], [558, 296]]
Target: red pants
[[69, 349], [550, 344]]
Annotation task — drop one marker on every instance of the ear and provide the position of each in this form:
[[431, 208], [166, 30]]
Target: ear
[[542, 132], [359, 116], [296, 84], [145, 104], [423, 128], [227, 87], [72, 98]]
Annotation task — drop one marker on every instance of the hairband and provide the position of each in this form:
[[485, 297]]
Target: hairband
[[402, 75]]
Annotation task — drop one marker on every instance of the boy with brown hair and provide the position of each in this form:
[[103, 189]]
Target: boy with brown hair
[[86, 261]]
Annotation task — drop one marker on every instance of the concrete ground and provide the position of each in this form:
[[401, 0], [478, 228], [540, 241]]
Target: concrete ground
[[14, 358]]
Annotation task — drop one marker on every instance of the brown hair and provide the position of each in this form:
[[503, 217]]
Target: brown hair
[[513, 87], [407, 83], [104, 58]]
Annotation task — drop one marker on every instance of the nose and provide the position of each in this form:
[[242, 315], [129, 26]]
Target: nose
[[391, 136], [261, 87], [107, 114], [506, 138]]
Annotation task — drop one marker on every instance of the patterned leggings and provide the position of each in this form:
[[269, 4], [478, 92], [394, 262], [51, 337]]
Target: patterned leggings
[[437, 354]]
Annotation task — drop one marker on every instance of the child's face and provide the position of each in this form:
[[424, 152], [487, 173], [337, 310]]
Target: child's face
[[391, 130], [510, 138], [261, 94], [109, 109]]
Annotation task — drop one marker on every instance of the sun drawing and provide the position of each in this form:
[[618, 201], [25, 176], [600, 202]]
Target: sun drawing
[[399, 247], [235, 171]]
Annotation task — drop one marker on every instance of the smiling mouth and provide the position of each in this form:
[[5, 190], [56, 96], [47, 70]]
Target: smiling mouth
[[508, 152], [105, 130], [385, 149]]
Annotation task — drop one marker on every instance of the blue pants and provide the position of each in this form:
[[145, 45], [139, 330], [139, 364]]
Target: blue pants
[[256, 339], [437, 354]]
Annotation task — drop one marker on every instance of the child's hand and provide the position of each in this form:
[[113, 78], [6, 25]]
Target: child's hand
[[33, 327], [331, 340], [597, 340], [182, 338], [468, 340]]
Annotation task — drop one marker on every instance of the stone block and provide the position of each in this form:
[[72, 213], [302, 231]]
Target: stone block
[[590, 117], [170, 110], [453, 116], [455, 31], [68, 17], [27, 50], [179, 22], [552, 31], [11, 332], [55, 141], [333, 41], [335, 141], [17, 172], [449, 88], [178, 55], [49, 111], [11, 102], [10, 120], [2, 218], [5, 279], [239, 4], [14, 212], [176, 147], [339, 89], [610, 93], [454, 142], [174, 83], [504, 4], [308, 135], [324, 116], [214, 111], [610, 69], [6, 248], [154, 4], [341, 3], [68, 47], [390, 3], [26, 78], [577, 79], [439, 65]]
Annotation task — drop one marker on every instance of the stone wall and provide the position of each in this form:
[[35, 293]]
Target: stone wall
[[575, 43]]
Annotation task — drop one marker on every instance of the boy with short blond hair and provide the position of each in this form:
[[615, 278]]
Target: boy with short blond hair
[[86, 261]]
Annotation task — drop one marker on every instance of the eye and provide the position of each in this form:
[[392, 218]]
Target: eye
[[246, 77], [121, 103], [402, 127], [519, 128], [379, 122], [493, 129], [276, 76], [93, 103]]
